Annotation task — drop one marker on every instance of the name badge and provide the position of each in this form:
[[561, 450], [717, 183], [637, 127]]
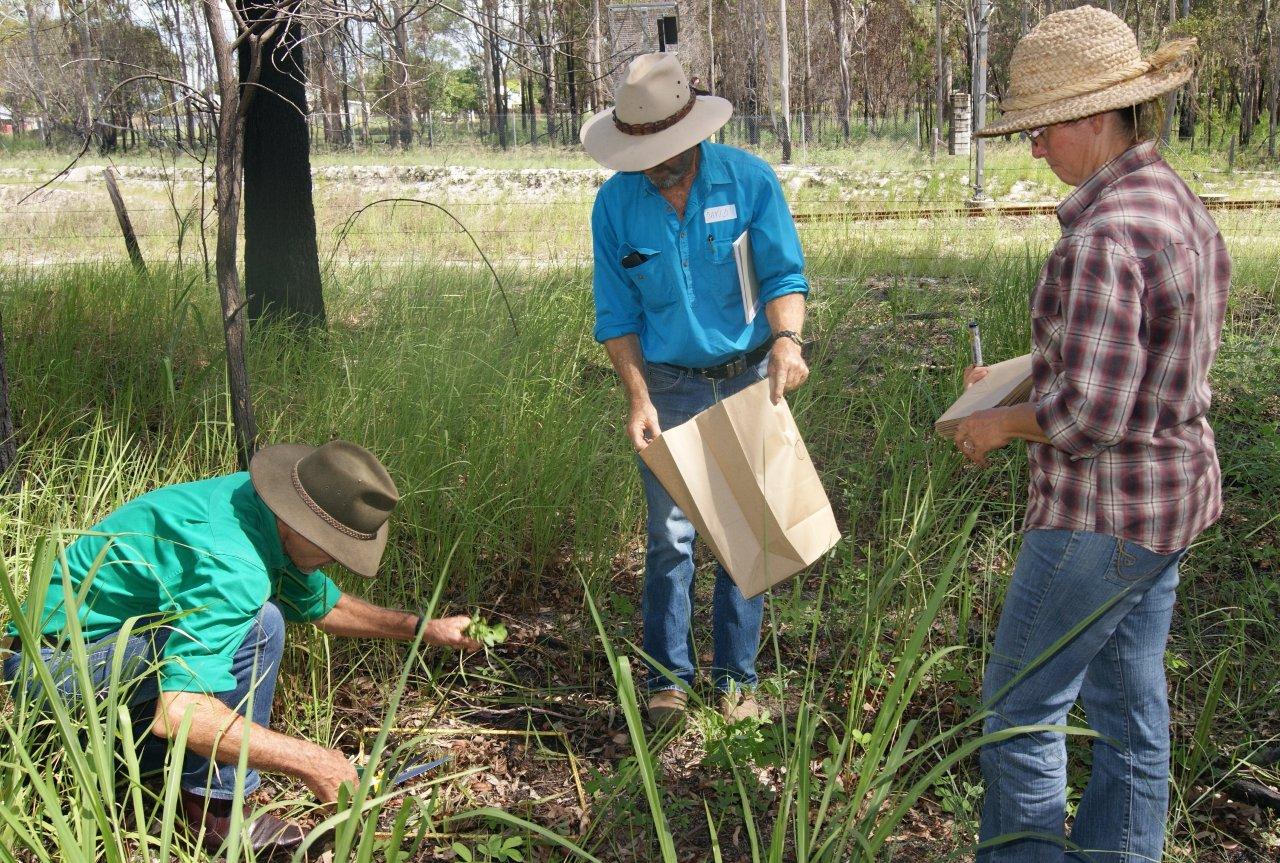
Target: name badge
[[720, 214]]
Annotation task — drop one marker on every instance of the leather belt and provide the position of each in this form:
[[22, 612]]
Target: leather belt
[[733, 367]]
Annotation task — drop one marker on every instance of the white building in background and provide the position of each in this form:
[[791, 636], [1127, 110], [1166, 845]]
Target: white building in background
[[640, 27]]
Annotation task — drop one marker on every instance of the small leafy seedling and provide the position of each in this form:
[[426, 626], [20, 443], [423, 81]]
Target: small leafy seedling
[[482, 632]]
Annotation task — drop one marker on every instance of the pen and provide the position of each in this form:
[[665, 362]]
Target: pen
[[975, 343]]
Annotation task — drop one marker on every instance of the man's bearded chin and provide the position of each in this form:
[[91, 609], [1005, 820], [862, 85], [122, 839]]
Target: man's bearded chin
[[668, 174]]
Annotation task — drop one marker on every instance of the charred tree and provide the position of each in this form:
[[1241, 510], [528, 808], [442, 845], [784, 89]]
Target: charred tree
[[281, 261]]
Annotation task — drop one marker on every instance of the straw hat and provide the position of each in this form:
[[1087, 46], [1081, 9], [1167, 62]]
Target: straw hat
[[338, 496], [656, 115], [1082, 62]]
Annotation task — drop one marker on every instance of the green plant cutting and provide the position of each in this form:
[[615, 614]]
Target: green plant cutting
[[484, 632]]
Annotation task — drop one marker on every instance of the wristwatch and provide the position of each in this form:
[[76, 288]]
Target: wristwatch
[[789, 334]]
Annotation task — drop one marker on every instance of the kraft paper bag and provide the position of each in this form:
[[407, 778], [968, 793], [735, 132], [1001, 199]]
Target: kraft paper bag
[[742, 475]]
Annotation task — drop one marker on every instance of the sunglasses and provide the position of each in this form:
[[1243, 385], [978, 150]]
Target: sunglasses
[[1032, 134]]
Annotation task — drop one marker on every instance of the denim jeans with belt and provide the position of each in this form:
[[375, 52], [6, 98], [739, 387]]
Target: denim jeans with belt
[[257, 661], [1120, 595], [678, 395]]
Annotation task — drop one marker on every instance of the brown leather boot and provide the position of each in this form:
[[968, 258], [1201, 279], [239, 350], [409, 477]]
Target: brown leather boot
[[267, 834], [668, 707]]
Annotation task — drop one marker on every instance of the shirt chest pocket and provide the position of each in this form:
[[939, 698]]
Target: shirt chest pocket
[[719, 241], [1046, 319], [643, 268]]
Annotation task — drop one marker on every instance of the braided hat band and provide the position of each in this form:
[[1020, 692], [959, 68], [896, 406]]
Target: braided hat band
[[324, 516], [656, 125]]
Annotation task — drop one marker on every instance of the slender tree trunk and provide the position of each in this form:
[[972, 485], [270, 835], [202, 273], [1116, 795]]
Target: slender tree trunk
[[598, 97], [230, 122], [806, 96], [784, 80], [1273, 80], [37, 75], [401, 107], [940, 83], [842, 55], [281, 261], [496, 67], [570, 75], [1170, 99], [542, 37]]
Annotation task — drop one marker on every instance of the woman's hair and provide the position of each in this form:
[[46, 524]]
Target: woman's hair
[[1142, 121]]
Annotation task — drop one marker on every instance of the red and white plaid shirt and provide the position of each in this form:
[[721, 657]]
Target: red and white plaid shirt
[[1126, 319]]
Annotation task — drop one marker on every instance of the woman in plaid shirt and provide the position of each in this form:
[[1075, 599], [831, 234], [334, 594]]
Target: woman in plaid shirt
[[1126, 320]]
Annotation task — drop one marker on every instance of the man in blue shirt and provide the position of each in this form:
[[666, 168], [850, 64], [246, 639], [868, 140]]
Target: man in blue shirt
[[681, 335]]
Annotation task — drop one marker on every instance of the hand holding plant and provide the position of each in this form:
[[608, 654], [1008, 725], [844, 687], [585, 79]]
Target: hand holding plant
[[450, 632], [486, 634]]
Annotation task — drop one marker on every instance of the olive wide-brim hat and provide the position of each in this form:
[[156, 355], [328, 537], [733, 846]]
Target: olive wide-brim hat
[[1081, 62], [656, 116], [338, 496]]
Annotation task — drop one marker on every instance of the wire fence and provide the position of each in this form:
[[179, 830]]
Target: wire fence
[[538, 218]]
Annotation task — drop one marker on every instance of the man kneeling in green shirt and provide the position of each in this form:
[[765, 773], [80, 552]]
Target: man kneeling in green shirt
[[222, 563]]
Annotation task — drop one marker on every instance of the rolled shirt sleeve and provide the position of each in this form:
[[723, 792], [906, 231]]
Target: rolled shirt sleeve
[[775, 244], [1103, 357], [618, 310]]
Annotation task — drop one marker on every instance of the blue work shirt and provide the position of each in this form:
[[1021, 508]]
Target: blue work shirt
[[684, 302]]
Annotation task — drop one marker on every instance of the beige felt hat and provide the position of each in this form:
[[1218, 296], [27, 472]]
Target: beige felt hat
[[656, 115], [338, 496], [1081, 62]]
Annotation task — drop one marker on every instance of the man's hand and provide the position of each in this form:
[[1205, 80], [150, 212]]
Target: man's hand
[[981, 432], [326, 775], [642, 425], [787, 368], [449, 632]]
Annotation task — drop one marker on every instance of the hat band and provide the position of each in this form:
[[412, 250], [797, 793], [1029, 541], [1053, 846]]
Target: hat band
[[656, 125], [324, 516], [1087, 87]]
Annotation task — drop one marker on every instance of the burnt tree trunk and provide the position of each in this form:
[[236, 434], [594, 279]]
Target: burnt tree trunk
[[281, 261]]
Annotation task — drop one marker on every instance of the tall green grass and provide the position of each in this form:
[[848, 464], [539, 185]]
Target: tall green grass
[[517, 482]]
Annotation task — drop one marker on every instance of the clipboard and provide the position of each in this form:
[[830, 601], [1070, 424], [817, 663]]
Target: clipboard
[[748, 283]]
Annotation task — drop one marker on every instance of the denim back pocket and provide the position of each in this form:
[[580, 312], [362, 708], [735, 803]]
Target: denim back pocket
[[1134, 564]]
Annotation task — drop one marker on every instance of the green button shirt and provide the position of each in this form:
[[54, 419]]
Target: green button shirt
[[206, 554]]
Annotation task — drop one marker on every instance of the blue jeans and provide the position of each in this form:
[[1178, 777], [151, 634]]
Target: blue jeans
[[1115, 665], [668, 565], [257, 659]]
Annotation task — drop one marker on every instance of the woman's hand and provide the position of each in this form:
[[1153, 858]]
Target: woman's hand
[[983, 431], [973, 374]]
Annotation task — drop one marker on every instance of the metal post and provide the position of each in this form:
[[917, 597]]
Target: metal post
[[980, 196]]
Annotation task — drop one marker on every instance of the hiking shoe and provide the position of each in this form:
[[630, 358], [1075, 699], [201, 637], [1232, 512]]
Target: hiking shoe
[[668, 707], [737, 706], [268, 835]]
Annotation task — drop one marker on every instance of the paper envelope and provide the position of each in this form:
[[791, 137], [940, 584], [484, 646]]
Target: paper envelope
[[742, 475]]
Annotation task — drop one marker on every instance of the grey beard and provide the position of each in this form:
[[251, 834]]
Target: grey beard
[[668, 180], [671, 177]]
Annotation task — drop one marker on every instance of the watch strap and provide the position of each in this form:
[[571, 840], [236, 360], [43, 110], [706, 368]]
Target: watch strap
[[789, 334]]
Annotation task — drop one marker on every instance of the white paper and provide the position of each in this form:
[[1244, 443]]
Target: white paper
[[747, 281]]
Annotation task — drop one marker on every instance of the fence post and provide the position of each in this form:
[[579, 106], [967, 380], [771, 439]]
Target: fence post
[[126, 227]]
